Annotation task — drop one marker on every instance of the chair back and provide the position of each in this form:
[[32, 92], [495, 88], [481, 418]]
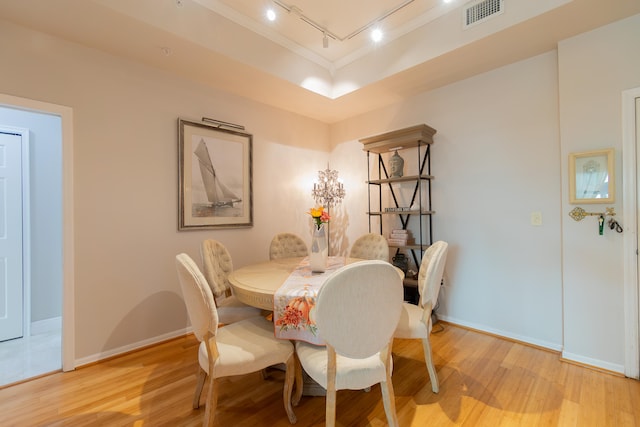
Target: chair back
[[370, 246], [216, 265], [287, 245], [197, 297], [431, 272], [358, 308]]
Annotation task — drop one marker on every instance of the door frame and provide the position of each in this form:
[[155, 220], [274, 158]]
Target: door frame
[[68, 254], [26, 225], [630, 239]]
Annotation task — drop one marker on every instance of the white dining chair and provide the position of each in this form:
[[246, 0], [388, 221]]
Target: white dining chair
[[370, 246], [240, 348], [415, 320], [356, 311], [217, 265], [287, 245]]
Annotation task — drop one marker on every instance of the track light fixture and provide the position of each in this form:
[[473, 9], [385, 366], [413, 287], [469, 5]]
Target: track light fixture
[[326, 33]]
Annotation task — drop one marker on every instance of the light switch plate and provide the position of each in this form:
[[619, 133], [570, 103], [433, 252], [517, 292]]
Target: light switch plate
[[536, 218]]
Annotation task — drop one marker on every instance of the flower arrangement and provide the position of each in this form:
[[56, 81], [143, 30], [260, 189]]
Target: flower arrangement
[[319, 215]]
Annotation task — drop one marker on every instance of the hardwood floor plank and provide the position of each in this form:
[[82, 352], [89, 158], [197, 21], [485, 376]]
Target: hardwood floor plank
[[484, 381]]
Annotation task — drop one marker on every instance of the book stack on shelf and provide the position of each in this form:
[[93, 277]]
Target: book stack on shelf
[[399, 237]]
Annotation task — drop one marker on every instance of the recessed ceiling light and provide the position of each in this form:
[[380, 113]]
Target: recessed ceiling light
[[271, 14], [376, 35]]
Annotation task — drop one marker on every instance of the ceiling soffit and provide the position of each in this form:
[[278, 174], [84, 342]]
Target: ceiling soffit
[[216, 25]]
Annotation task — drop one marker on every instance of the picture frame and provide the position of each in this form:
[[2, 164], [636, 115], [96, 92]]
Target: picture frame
[[592, 177], [215, 177]]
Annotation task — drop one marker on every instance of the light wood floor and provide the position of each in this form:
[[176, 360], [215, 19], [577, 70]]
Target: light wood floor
[[484, 381]]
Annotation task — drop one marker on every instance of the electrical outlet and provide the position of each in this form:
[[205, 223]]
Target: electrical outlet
[[536, 218]]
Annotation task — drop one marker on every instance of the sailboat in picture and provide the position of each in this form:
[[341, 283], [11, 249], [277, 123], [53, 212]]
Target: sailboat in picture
[[218, 194]]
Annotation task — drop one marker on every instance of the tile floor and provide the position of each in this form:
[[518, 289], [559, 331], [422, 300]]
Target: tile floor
[[31, 356]]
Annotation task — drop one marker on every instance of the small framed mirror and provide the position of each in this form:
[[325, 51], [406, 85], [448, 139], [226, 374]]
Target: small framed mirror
[[592, 177]]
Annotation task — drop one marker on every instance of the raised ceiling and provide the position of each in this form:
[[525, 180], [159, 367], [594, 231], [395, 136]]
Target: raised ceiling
[[299, 24], [227, 45]]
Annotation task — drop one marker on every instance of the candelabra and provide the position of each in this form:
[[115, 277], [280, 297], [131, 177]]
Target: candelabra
[[328, 191]]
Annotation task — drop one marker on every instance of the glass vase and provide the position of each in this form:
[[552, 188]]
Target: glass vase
[[319, 250]]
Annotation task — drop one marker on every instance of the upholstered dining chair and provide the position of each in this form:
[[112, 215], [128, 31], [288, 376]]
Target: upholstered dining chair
[[356, 312], [240, 348], [217, 265], [370, 246], [415, 320], [287, 245]]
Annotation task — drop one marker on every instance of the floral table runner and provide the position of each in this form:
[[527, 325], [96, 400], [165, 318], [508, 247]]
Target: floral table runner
[[295, 300]]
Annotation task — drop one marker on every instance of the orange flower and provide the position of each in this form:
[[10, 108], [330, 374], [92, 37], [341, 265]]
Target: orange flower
[[319, 215]]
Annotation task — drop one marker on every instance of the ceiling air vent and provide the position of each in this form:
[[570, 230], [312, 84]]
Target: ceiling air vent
[[480, 11]]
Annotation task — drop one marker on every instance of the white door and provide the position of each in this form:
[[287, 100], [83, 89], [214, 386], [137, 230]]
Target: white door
[[11, 285]]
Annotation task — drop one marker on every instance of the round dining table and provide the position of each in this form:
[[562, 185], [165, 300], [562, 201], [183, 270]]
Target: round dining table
[[256, 284]]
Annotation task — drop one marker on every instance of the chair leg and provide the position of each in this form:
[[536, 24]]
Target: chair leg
[[212, 402], [202, 376], [330, 411], [389, 402], [298, 381], [433, 375], [290, 374]]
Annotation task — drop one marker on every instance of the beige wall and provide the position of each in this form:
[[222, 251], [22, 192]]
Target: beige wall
[[125, 161]]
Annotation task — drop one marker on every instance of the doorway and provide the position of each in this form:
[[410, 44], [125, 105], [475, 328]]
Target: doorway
[[14, 232], [631, 185], [50, 302]]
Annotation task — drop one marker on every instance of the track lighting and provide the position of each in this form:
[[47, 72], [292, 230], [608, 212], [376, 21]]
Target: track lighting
[[376, 34], [271, 14]]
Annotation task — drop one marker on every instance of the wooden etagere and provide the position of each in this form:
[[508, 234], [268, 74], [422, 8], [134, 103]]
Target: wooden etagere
[[414, 143]]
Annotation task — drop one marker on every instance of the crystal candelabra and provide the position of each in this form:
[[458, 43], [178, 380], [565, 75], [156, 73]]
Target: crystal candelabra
[[328, 191]]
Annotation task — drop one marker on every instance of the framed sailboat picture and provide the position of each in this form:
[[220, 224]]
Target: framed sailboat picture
[[214, 167]]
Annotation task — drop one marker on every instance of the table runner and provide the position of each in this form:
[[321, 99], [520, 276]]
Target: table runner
[[295, 300]]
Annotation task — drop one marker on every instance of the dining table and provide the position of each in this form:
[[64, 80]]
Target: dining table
[[279, 285], [288, 287]]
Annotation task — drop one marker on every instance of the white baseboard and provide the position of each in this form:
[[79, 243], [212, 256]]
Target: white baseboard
[[593, 362], [528, 340], [515, 337], [130, 347]]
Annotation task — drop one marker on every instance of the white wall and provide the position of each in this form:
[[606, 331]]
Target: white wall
[[46, 208], [594, 69], [501, 152], [496, 160], [125, 165]]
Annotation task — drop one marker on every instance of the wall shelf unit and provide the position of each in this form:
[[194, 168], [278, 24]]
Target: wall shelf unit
[[398, 201]]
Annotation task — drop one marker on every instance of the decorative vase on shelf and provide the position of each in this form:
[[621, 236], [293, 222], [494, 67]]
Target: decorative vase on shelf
[[319, 250]]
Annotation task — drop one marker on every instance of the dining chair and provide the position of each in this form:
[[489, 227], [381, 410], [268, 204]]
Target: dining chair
[[356, 312], [415, 320], [240, 348], [370, 246], [217, 265], [287, 245]]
